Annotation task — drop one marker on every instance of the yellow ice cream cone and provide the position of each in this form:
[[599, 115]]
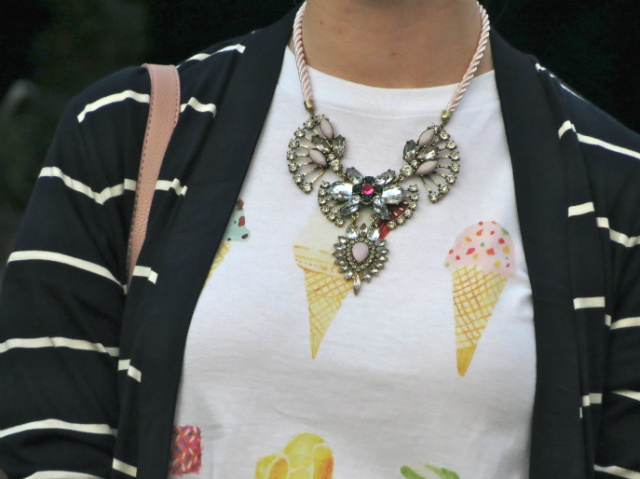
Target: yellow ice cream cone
[[326, 289], [305, 457], [223, 249], [475, 295]]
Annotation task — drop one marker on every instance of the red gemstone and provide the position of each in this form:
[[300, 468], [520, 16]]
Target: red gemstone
[[367, 189]]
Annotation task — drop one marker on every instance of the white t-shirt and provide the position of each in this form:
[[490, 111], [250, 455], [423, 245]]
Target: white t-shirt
[[408, 379]]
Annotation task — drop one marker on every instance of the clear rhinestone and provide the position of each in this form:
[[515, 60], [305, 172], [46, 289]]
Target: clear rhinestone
[[380, 208], [349, 275], [339, 221], [392, 225], [410, 150], [380, 243], [444, 135], [354, 176], [293, 167], [356, 284], [294, 144], [309, 124], [455, 168], [455, 156], [451, 179], [306, 187], [380, 265], [291, 155], [415, 196], [352, 232], [373, 234], [385, 178], [325, 184], [332, 217], [415, 163], [299, 133], [382, 250], [408, 213], [382, 258], [322, 201], [325, 209], [374, 271], [340, 246], [427, 154], [400, 220], [413, 188], [366, 277], [443, 189], [344, 268], [413, 205], [343, 240], [336, 165], [407, 170], [321, 144], [341, 191], [351, 206], [392, 195], [451, 145], [322, 192], [338, 146], [298, 178], [433, 197]]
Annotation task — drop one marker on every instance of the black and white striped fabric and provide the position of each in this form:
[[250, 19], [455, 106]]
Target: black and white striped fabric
[[89, 371]]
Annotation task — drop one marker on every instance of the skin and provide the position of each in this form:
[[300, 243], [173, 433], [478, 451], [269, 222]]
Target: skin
[[393, 43]]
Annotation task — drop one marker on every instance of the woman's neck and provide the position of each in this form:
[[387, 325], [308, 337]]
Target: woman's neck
[[393, 43]]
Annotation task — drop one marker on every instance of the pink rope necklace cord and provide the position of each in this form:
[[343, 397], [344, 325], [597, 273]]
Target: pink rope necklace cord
[[316, 148], [303, 73]]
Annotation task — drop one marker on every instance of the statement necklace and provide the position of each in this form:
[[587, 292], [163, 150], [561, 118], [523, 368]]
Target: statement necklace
[[434, 159]]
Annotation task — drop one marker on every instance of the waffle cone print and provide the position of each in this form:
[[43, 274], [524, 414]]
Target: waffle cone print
[[306, 456], [236, 231], [325, 286], [481, 262]]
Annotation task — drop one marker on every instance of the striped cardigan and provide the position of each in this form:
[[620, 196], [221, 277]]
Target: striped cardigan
[[89, 371]]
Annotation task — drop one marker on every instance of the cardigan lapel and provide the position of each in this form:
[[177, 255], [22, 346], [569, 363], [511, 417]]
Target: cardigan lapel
[[195, 234], [557, 445]]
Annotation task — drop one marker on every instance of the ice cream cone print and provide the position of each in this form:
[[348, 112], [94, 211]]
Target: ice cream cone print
[[305, 457], [236, 231], [326, 288], [481, 262]]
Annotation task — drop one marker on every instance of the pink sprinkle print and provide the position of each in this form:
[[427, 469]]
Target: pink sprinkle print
[[186, 450], [491, 252], [479, 233], [501, 241], [470, 250]]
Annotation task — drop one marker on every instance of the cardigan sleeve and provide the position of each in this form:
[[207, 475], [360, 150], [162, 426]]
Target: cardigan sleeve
[[618, 451], [62, 301]]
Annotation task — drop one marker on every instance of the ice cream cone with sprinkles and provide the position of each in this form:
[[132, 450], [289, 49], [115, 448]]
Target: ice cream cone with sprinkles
[[481, 262], [236, 231]]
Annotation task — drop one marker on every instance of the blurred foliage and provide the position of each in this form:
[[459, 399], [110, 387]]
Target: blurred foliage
[[85, 41]]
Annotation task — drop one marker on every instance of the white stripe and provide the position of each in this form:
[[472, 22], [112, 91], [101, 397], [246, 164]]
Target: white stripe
[[589, 140], [126, 468], [628, 393], [99, 197], [166, 185], [607, 320], [145, 272], [203, 56], [201, 107], [582, 209], [57, 424], [623, 239], [61, 475], [125, 365], [593, 398], [115, 98], [626, 323], [584, 303], [65, 259], [566, 126], [57, 342], [618, 471]]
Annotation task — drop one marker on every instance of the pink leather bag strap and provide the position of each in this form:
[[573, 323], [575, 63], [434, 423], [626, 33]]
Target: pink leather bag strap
[[164, 108]]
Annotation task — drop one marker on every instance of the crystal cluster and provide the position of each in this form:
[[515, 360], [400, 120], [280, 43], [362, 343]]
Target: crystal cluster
[[435, 159], [314, 148], [360, 254]]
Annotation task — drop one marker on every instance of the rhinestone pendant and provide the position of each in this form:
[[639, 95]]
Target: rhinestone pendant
[[360, 254], [313, 149]]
